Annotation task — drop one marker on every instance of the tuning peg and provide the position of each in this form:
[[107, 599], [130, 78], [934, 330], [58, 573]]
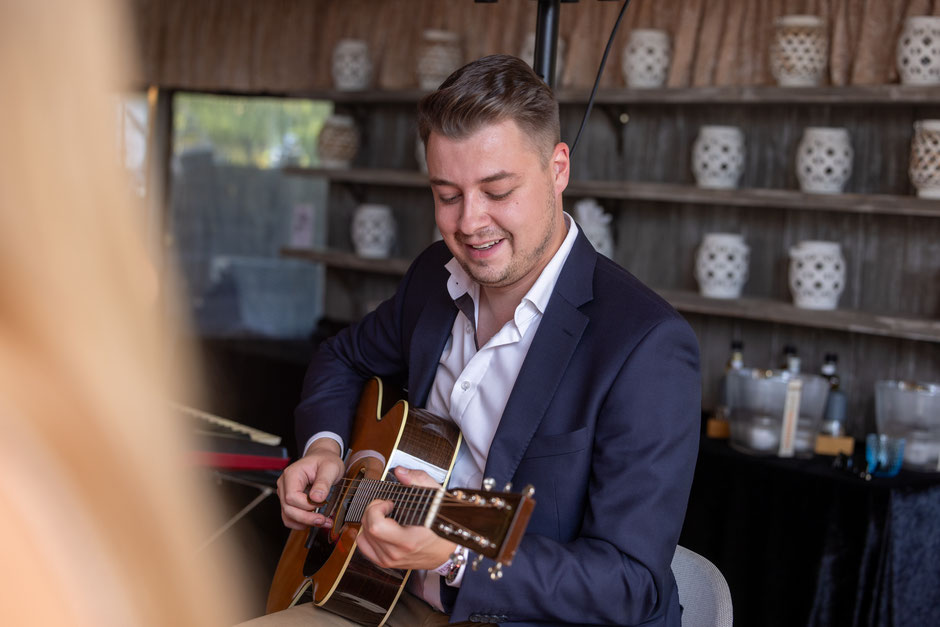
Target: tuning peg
[[508, 487], [476, 562], [489, 483], [496, 572], [529, 490]]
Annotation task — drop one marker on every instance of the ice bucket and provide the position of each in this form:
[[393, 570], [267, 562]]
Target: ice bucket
[[911, 410], [757, 399]]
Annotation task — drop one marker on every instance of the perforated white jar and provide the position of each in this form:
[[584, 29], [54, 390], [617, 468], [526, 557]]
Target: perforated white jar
[[718, 156], [918, 51], [373, 231], [817, 274], [799, 51], [646, 57], [925, 158], [824, 159], [351, 67], [721, 265]]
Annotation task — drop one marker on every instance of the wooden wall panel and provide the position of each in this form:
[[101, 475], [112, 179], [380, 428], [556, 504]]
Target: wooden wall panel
[[286, 45], [685, 40]]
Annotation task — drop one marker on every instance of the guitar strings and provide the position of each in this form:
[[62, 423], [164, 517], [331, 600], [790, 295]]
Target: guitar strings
[[393, 489], [409, 501]]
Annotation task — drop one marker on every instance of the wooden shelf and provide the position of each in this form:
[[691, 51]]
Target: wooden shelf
[[848, 95], [349, 261], [777, 311], [886, 204], [691, 302], [366, 176], [669, 192], [852, 95]]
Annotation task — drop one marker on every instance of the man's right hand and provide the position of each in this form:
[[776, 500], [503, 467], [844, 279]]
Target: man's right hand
[[315, 472]]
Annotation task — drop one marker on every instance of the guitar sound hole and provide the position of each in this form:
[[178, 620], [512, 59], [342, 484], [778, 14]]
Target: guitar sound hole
[[320, 550]]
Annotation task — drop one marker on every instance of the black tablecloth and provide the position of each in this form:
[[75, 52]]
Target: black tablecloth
[[801, 543]]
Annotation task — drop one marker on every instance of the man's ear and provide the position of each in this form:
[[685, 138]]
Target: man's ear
[[560, 166]]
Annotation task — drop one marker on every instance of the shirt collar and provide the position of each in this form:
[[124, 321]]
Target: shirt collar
[[460, 282]]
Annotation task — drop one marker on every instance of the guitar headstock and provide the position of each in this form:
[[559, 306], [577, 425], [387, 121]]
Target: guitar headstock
[[488, 523]]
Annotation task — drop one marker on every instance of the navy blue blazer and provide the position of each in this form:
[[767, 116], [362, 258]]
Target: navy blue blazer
[[603, 421]]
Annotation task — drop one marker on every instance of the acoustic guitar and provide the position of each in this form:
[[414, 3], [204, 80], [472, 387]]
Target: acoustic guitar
[[323, 566]]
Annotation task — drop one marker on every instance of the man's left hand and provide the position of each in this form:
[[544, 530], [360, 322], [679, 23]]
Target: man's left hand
[[390, 545]]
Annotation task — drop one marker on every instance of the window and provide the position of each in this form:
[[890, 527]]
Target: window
[[233, 209]]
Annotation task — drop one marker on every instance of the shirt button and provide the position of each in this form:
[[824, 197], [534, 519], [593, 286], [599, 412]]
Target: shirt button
[[468, 328], [465, 386]]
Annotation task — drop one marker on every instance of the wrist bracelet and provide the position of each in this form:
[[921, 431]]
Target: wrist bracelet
[[450, 569]]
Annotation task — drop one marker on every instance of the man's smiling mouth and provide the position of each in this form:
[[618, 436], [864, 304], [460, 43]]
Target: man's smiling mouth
[[485, 246]]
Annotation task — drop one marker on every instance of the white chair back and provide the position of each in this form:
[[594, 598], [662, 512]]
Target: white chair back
[[703, 592]]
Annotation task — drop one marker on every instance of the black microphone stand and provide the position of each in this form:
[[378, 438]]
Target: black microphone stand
[[546, 40]]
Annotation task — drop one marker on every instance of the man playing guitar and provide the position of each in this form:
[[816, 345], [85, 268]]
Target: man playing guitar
[[560, 368]]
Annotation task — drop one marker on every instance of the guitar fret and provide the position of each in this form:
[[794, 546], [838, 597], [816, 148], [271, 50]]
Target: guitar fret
[[400, 513], [411, 503], [385, 494], [385, 491], [410, 495], [424, 507], [414, 510]]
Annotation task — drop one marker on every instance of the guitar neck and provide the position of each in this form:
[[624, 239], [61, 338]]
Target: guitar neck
[[413, 505], [490, 523]]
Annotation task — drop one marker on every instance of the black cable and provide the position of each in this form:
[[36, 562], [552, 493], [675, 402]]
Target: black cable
[[600, 71]]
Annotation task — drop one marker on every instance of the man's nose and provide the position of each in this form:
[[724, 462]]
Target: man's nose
[[474, 214]]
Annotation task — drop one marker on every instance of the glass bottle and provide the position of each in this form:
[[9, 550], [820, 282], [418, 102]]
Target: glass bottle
[[828, 370], [791, 361], [834, 413], [735, 362]]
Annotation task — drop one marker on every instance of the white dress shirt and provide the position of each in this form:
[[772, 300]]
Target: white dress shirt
[[472, 385]]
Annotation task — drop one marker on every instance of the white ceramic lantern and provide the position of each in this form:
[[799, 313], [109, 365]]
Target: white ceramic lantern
[[721, 265], [817, 274], [596, 225], [646, 57], [338, 141], [925, 158], [438, 57], [824, 160], [352, 67], [918, 51], [373, 231], [718, 157], [799, 51]]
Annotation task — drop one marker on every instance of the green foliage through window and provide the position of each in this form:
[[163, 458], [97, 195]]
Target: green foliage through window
[[251, 131]]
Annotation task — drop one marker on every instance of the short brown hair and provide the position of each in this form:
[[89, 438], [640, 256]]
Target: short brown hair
[[487, 91]]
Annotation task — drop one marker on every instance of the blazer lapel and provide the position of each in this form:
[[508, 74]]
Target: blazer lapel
[[427, 342], [555, 341]]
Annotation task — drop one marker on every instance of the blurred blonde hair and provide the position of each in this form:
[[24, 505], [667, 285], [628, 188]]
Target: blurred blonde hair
[[99, 518]]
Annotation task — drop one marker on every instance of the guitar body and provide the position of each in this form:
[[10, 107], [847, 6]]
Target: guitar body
[[323, 565]]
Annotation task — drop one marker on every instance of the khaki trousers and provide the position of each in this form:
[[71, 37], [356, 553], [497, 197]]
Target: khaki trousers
[[410, 611]]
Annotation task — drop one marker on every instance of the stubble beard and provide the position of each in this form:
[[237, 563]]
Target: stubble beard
[[517, 266]]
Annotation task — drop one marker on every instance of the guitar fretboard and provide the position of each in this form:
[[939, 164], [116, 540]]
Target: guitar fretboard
[[412, 504]]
